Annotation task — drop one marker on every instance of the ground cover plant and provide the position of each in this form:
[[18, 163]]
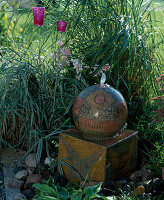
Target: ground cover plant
[[119, 38]]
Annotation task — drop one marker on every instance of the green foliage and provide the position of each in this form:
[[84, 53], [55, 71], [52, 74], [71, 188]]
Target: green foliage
[[121, 33], [156, 158], [151, 140], [34, 102], [48, 190], [3, 21]]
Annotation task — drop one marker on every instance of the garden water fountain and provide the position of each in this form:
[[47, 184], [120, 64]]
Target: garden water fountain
[[99, 149]]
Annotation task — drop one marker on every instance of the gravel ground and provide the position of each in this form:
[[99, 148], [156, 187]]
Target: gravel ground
[[2, 187]]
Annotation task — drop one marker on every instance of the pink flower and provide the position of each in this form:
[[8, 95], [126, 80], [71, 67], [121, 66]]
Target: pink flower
[[66, 51], [61, 26], [52, 55], [59, 43], [106, 67], [38, 15], [78, 68], [159, 79]]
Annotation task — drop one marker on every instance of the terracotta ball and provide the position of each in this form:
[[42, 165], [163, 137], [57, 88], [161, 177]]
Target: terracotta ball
[[99, 112]]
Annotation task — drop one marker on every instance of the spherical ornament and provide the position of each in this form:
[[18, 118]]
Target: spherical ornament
[[99, 112]]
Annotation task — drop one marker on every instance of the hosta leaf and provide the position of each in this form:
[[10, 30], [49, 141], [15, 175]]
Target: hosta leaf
[[62, 192], [44, 188], [76, 197], [92, 190]]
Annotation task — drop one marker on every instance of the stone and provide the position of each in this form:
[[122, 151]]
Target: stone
[[120, 183], [30, 170], [33, 178], [146, 174], [136, 176], [127, 188], [46, 174], [17, 169], [19, 196], [140, 190], [148, 185], [30, 160], [29, 186], [21, 175], [14, 183], [28, 193], [132, 185], [1, 182], [157, 184]]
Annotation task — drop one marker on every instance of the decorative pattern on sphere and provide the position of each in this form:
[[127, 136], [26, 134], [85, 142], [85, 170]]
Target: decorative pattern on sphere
[[99, 112]]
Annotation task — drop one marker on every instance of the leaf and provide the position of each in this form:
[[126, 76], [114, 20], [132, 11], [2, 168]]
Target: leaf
[[92, 190], [44, 188], [62, 192], [97, 197], [39, 150], [76, 197], [46, 198]]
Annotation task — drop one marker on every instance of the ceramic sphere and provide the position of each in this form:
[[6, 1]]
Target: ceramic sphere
[[99, 112]]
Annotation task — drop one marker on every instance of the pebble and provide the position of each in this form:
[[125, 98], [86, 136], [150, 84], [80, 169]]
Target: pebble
[[156, 183], [1, 183], [132, 185], [17, 169], [146, 174], [21, 175], [127, 188], [136, 176], [28, 193], [30, 160], [46, 174], [148, 185], [30, 170], [33, 178], [14, 183], [20, 197], [140, 190]]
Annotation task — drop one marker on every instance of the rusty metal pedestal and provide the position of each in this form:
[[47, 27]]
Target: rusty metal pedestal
[[100, 161]]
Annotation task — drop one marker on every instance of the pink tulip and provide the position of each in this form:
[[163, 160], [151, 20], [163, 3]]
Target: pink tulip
[[61, 26], [38, 14]]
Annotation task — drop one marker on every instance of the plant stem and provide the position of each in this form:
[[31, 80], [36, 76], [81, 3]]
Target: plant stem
[[57, 69], [39, 46]]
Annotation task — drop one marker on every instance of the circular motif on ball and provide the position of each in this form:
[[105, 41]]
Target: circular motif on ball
[[99, 112], [99, 99]]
